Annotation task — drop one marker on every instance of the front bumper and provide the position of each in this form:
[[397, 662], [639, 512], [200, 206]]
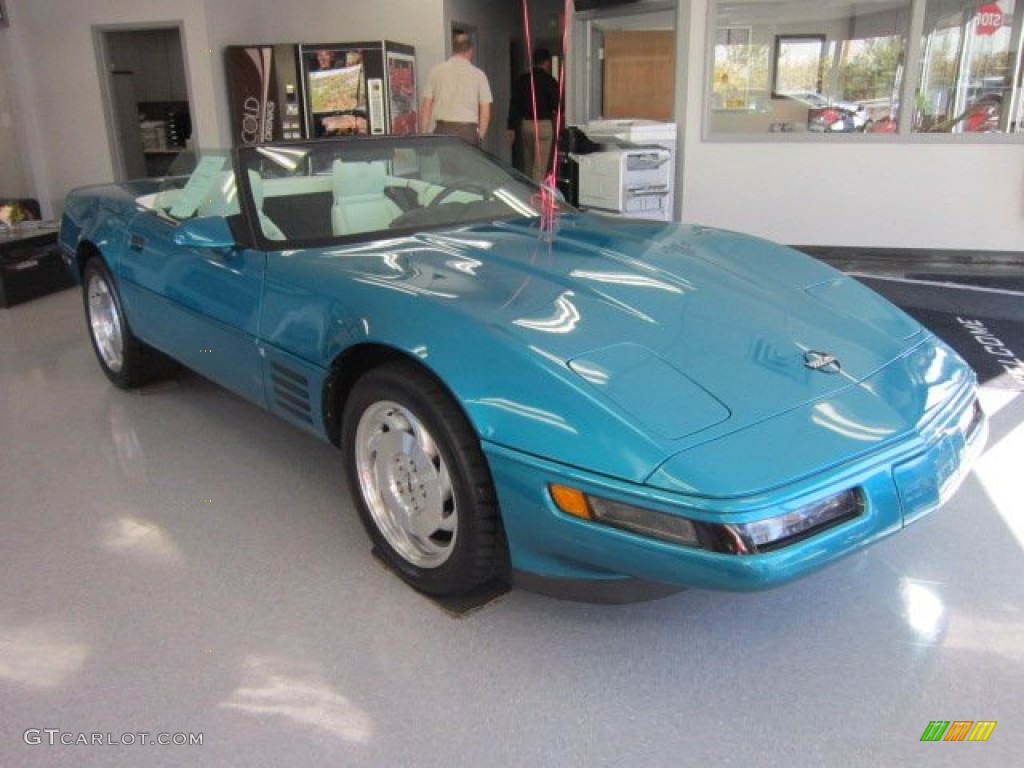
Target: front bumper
[[899, 484]]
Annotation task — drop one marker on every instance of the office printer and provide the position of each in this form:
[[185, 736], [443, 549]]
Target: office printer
[[628, 180], [611, 168]]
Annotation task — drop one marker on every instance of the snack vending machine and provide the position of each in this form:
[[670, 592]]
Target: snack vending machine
[[358, 88]]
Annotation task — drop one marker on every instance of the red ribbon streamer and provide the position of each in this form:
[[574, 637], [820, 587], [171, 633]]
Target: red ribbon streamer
[[548, 203]]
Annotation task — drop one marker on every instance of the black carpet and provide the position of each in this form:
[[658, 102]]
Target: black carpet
[[994, 347]]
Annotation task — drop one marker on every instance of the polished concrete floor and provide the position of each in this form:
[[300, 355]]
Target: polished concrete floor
[[179, 562]]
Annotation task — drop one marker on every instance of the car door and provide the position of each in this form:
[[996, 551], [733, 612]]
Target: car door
[[200, 305]]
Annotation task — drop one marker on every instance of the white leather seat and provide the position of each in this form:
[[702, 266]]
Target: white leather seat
[[360, 204], [270, 230]]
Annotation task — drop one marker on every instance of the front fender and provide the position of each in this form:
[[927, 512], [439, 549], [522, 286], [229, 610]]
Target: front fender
[[519, 396]]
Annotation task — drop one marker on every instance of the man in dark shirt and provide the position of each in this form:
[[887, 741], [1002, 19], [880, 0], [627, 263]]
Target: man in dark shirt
[[536, 137]]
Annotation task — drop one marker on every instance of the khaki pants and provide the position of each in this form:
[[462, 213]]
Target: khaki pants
[[537, 155], [466, 131]]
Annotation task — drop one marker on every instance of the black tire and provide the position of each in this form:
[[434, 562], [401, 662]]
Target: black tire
[[125, 360], [420, 481]]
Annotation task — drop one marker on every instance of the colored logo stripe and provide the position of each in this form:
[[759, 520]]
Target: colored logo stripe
[[982, 730], [958, 730]]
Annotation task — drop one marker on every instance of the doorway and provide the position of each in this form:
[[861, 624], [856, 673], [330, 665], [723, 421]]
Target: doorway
[[625, 62], [146, 99]]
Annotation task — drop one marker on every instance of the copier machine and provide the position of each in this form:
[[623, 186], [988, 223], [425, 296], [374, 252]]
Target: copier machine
[[622, 167]]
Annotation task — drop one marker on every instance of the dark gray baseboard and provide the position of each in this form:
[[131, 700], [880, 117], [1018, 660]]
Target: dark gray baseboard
[[923, 256]]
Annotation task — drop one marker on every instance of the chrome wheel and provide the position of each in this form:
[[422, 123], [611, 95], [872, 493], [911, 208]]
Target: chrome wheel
[[406, 485], [420, 481], [124, 359], [105, 322]]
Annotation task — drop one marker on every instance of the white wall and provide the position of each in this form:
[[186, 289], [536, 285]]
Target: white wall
[[13, 182], [968, 197], [55, 66]]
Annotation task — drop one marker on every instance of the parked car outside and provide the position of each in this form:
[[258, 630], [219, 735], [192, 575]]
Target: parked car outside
[[827, 115]]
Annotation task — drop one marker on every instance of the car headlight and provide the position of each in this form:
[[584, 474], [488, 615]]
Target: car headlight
[[728, 538], [762, 535]]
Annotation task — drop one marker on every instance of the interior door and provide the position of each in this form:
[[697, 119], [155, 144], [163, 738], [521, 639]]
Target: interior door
[[128, 139], [639, 74]]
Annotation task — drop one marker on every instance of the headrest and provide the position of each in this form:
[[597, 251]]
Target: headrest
[[358, 178]]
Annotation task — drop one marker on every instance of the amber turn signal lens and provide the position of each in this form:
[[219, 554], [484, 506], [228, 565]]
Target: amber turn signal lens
[[570, 500]]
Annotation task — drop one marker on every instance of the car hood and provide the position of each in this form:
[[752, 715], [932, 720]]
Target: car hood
[[683, 327], [613, 344]]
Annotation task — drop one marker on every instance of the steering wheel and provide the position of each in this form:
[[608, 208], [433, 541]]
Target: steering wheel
[[461, 186]]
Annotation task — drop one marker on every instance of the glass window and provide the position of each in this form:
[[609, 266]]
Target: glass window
[[799, 66], [799, 61], [845, 67], [740, 69], [365, 189], [970, 71]]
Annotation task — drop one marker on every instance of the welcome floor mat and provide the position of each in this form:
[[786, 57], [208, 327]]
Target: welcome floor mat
[[994, 347]]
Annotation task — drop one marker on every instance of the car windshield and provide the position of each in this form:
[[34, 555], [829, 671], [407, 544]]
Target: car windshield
[[198, 184], [355, 188], [362, 188]]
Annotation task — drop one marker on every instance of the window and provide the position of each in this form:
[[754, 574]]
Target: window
[[970, 71], [736, 75], [841, 68], [799, 61]]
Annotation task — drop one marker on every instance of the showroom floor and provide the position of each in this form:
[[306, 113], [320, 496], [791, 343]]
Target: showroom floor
[[179, 562]]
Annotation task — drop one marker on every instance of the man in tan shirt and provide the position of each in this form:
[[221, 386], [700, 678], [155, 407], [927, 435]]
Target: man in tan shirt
[[457, 96]]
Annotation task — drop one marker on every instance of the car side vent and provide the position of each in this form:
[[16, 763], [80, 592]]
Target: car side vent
[[291, 392]]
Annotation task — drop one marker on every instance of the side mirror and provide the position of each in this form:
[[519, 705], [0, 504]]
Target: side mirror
[[206, 232]]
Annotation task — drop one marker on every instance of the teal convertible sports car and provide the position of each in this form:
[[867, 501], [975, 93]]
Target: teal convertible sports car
[[521, 390]]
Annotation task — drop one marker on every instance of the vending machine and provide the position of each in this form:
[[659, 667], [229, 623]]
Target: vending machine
[[354, 88], [296, 91], [264, 93]]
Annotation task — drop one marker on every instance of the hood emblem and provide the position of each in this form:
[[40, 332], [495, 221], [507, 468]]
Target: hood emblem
[[821, 361]]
